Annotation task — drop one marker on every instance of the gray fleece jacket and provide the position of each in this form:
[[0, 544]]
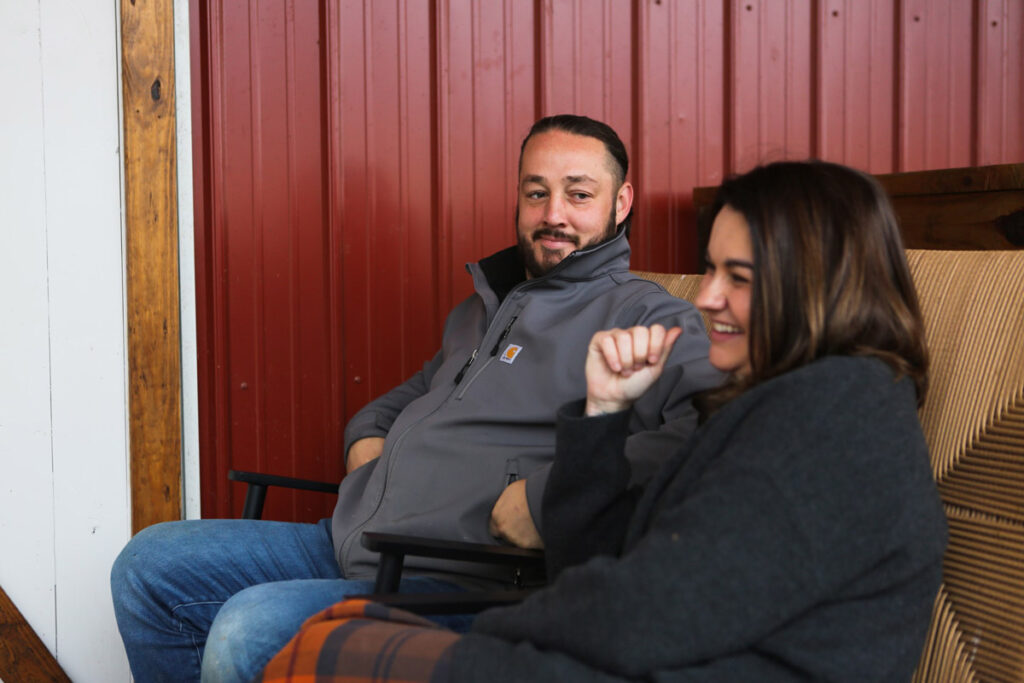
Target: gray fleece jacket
[[481, 413]]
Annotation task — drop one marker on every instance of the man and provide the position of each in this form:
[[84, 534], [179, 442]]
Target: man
[[461, 450]]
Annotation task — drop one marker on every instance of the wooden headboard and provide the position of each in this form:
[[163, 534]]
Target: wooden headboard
[[976, 208]]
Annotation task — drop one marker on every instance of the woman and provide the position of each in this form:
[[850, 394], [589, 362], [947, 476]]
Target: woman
[[798, 535]]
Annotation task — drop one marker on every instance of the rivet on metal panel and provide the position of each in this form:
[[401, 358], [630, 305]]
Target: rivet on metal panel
[[357, 379], [243, 386]]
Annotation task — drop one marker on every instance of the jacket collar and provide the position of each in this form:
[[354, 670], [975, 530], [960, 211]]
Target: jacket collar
[[502, 271]]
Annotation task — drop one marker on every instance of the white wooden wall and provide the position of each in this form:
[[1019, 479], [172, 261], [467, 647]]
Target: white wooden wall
[[64, 490], [64, 499]]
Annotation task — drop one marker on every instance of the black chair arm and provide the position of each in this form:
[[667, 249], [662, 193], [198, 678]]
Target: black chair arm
[[256, 491], [394, 547]]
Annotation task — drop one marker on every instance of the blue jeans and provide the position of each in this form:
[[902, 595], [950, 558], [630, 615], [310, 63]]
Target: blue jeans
[[238, 589]]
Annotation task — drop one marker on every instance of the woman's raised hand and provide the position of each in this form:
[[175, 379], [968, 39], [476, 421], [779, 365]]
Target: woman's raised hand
[[623, 364]]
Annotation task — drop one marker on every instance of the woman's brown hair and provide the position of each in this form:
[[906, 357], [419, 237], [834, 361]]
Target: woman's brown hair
[[830, 273]]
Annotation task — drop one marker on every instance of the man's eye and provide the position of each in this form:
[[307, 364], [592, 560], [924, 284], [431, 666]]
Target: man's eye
[[535, 194], [580, 196]]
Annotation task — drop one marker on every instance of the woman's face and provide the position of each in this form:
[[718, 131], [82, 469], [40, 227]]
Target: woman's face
[[725, 291]]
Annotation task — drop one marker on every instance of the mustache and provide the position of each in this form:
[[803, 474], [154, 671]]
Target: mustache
[[557, 234]]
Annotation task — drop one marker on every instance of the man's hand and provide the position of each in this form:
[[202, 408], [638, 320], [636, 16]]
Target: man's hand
[[623, 364], [363, 451], [511, 520]]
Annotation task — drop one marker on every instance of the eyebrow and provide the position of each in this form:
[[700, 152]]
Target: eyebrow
[[733, 263], [569, 178]]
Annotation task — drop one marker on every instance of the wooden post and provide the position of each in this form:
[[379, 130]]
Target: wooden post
[[151, 210]]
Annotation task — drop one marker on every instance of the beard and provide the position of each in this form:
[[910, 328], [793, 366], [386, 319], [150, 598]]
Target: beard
[[537, 267]]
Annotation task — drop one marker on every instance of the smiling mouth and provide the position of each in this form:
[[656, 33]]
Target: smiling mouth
[[554, 237], [724, 328]]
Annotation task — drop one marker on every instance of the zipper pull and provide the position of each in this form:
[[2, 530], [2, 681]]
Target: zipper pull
[[462, 372], [511, 471], [504, 334]]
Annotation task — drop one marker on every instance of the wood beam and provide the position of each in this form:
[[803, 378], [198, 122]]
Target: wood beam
[[151, 211], [23, 656]]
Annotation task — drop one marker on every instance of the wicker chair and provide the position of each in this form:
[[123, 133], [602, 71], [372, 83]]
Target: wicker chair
[[973, 420]]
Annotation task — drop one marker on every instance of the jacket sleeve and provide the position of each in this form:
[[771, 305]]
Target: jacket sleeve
[[664, 417], [587, 502], [377, 416], [667, 398], [775, 523]]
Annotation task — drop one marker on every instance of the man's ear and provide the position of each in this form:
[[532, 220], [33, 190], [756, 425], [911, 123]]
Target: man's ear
[[623, 202]]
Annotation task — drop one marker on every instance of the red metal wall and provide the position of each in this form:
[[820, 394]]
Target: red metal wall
[[352, 155]]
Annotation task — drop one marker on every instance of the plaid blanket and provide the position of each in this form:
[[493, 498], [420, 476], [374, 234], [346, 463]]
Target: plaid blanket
[[357, 641]]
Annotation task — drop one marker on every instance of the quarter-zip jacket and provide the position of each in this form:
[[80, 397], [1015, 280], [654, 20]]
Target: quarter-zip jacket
[[481, 413]]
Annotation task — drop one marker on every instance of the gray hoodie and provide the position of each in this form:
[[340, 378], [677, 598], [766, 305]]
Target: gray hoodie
[[481, 413]]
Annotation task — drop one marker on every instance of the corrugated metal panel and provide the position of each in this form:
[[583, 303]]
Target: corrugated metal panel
[[1000, 100], [586, 48], [854, 111], [770, 80], [353, 155], [381, 193], [681, 127], [263, 251], [486, 95], [936, 48]]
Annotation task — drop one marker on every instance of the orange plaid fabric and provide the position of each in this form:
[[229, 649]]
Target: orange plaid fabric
[[357, 641]]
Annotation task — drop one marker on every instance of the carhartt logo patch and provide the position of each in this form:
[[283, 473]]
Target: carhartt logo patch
[[510, 353]]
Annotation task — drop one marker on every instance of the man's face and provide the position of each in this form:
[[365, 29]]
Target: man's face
[[567, 198]]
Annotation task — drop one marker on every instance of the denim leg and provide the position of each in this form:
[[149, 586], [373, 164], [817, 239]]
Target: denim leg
[[171, 579], [257, 622]]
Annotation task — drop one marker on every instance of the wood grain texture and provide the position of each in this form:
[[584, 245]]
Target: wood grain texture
[[973, 208], [154, 361], [23, 656]]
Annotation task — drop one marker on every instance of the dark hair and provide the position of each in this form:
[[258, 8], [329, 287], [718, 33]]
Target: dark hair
[[830, 272], [588, 127]]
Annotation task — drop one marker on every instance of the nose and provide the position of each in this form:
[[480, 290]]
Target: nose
[[554, 211], [710, 296]]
